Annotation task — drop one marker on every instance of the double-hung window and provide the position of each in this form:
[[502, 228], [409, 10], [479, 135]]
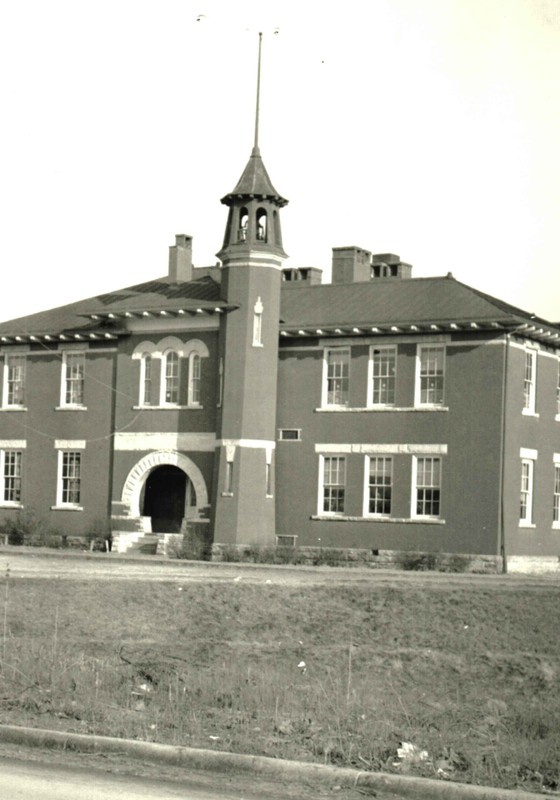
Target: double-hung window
[[333, 485], [526, 493], [558, 392], [383, 365], [556, 495], [171, 378], [14, 381], [194, 379], [337, 370], [426, 487], [73, 377], [146, 380], [11, 461], [379, 472], [70, 478], [529, 381], [430, 376]]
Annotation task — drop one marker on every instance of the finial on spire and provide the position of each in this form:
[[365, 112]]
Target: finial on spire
[[256, 145]]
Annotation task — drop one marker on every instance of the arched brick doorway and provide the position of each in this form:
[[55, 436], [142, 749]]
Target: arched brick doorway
[[167, 488]]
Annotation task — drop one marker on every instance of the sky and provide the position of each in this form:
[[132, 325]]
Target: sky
[[429, 129]]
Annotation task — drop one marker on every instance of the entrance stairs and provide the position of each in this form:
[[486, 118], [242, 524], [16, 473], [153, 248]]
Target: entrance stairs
[[135, 542]]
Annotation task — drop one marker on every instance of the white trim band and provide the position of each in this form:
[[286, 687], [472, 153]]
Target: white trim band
[[406, 449]]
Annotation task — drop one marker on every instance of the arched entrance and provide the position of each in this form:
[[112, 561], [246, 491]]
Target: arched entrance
[[163, 489], [167, 497]]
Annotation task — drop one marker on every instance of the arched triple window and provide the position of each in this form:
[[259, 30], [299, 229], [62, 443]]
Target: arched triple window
[[170, 374]]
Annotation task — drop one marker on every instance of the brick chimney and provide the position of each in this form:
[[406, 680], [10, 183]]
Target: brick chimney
[[355, 265], [180, 259]]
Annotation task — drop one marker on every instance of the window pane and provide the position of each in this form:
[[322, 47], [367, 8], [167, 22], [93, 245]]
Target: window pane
[[172, 378], [338, 364], [431, 375], [384, 367], [71, 478], [334, 483], [147, 383], [195, 379], [12, 476], [380, 485], [556, 502], [15, 380], [428, 487], [75, 371]]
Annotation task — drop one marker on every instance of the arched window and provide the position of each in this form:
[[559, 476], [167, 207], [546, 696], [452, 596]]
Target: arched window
[[146, 380], [194, 380], [262, 232], [170, 374], [243, 223]]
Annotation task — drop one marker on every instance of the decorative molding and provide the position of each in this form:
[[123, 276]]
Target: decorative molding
[[142, 441], [13, 444], [528, 452], [256, 444], [69, 444], [405, 449]]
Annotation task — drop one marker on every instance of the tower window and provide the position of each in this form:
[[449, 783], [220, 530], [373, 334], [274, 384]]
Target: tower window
[[243, 223], [262, 233]]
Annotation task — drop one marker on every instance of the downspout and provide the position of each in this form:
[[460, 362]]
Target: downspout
[[502, 525]]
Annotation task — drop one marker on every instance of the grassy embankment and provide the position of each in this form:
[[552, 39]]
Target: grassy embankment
[[467, 671]]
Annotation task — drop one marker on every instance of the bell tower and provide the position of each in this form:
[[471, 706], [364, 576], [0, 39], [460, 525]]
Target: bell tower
[[252, 257]]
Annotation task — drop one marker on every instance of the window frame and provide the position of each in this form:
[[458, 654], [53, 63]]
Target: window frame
[[167, 378], [368, 461], [372, 377], [146, 379], [527, 494], [68, 381], [11, 502], [195, 380], [63, 480], [323, 485], [556, 492], [345, 351], [8, 382], [420, 376], [434, 486], [530, 381]]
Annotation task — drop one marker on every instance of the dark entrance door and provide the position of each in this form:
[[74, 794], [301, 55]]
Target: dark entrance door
[[164, 498]]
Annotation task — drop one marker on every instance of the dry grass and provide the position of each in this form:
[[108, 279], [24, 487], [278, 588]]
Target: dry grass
[[470, 674]]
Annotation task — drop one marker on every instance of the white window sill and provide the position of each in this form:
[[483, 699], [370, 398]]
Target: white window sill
[[71, 408], [556, 526], [67, 507], [528, 525], [380, 409], [527, 412], [168, 407], [10, 504], [13, 408], [269, 496], [258, 344], [400, 520], [227, 494], [557, 418]]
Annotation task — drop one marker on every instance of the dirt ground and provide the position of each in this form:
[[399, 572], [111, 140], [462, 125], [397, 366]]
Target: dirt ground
[[41, 562]]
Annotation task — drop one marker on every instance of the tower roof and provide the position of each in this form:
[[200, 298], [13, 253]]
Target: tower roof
[[254, 182]]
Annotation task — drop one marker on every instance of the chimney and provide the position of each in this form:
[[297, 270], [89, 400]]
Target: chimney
[[180, 259], [350, 265]]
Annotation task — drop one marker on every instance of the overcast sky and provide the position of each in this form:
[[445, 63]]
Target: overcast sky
[[426, 128]]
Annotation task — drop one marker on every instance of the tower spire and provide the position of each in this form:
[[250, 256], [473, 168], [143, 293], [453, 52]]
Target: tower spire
[[257, 108]]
